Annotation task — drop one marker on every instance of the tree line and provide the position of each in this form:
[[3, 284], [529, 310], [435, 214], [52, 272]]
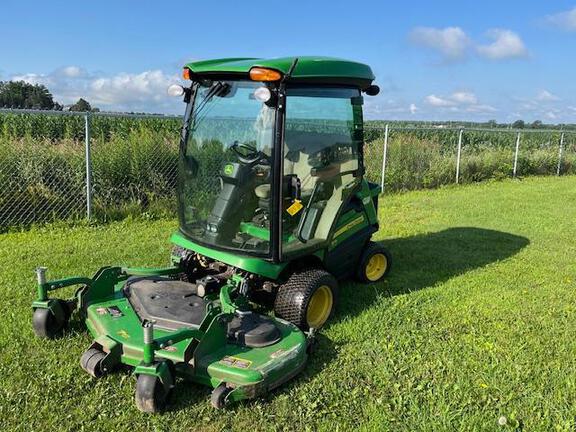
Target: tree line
[[23, 95]]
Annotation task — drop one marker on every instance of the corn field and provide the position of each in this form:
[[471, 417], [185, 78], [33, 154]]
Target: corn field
[[133, 162]]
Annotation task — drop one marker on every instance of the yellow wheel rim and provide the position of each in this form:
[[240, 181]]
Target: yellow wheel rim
[[320, 306], [376, 267]]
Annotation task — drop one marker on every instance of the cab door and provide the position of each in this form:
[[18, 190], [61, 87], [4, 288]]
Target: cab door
[[321, 163]]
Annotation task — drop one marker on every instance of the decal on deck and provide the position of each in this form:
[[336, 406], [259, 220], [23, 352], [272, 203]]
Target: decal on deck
[[123, 333], [236, 362]]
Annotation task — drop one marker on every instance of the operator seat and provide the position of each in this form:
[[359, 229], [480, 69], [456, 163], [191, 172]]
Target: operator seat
[[263, 194], [263, 191]]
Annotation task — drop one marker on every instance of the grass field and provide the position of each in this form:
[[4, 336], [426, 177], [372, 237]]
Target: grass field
[[476, 321]]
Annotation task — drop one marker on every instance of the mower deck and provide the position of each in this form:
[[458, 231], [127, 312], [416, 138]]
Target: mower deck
[[240, 354]]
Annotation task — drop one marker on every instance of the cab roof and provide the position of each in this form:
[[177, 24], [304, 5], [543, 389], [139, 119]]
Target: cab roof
[[323, 70]]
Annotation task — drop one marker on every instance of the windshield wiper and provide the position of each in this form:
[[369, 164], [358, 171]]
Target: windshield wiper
[[217, 89]]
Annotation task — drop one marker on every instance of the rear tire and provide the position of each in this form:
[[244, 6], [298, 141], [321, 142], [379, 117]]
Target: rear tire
[[307, 299], [374, 264]]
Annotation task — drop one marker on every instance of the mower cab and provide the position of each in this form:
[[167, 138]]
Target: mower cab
[[273, 209]]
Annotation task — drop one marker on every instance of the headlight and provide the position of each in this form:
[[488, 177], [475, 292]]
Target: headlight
[[262, 94], [175, 90]]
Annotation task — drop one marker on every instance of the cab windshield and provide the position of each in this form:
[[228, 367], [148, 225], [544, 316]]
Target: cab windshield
[[225, 167]]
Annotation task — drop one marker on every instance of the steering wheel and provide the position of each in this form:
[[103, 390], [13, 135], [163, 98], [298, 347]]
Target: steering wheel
[[249, 155]]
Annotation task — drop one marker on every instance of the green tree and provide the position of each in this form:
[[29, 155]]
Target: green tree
[[536, 124], [20, 94], [81, 105], [519, 124]]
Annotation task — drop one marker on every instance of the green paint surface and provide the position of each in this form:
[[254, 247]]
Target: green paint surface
[[308, 68]]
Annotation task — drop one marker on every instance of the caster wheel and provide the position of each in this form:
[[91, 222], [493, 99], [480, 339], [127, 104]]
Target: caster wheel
[[48, 325], [91, 362], [150, 394], [219, 395]]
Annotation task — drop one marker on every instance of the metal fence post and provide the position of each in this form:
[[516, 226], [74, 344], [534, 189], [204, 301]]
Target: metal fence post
[[458, 155], [516, 155], [384, 157], [88, 166], [560, 154]]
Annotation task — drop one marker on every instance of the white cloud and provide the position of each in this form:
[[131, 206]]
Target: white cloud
[[451, 42], [551, 115], [437, 101], [145, 91], [72, 71], [464, 97], [506, 45], [32, 78], [455, 99], [547, 106], [392, 109], [459, 101], [124, 89], [564, 20], [481, 109], [546, 96]]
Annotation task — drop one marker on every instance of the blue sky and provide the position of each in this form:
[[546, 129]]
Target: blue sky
[[443, 60]]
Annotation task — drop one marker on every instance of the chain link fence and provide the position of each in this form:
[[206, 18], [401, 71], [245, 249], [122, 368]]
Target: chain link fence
[[407, 158], [103, 166]]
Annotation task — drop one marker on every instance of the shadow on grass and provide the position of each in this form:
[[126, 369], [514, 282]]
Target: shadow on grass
[[425, 260], [420, 261]]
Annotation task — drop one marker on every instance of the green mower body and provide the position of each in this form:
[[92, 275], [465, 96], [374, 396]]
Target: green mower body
[[198, 348], [274, 210]]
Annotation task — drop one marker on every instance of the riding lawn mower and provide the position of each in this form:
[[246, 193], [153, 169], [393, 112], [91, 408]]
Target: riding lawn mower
[[273, 210]]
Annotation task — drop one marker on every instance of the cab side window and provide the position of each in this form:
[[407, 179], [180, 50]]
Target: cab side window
[[321, 157]]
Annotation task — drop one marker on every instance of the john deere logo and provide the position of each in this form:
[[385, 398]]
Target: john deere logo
[[228, 169]]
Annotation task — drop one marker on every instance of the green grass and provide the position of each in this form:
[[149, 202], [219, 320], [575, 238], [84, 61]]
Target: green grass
[[476, 321]]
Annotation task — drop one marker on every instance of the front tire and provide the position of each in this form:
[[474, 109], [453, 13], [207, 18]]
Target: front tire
[[219, 395], [91, 362], [48, 325], [307, 299], [150, 394]]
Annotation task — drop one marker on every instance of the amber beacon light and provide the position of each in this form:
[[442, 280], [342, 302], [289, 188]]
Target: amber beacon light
[[263, 74]]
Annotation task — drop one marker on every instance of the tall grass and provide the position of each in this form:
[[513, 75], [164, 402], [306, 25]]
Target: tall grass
[[44, 180], [417, 160], [134, 163]]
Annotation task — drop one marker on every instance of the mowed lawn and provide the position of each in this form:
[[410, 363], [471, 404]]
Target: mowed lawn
[[475, 323]]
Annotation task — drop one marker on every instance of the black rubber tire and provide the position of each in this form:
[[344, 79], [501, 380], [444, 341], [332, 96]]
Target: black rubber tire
[[370, 250], [293, 297], [150, 394], [218, 397], [91, 362], [46, 324]]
